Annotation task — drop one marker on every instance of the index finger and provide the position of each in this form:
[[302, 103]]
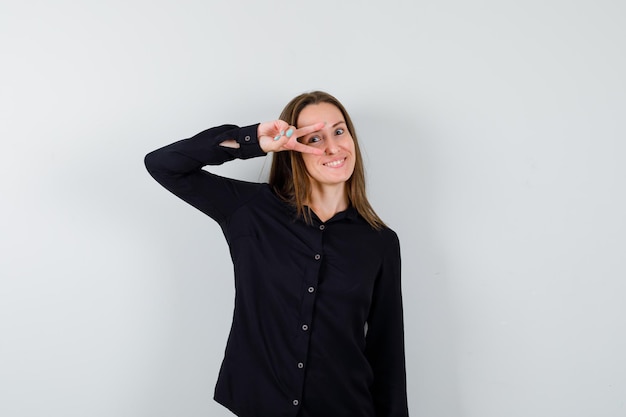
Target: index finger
[[303, 131]]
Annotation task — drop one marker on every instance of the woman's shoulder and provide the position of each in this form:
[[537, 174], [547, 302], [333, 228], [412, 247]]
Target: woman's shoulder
[[390, 236], [385, 235]]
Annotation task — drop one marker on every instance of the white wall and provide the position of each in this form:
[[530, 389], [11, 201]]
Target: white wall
[[494, 138]]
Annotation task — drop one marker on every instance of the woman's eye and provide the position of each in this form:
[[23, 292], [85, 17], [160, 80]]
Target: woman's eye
[[314, 139], [339, 132]]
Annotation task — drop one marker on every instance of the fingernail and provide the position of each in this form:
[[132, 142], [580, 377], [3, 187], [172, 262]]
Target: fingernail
[[289, 133], [277, 137]]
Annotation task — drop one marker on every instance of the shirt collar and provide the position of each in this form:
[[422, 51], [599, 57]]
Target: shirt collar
[[349, 214]]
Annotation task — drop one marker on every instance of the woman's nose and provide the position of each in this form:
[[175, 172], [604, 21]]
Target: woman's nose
[[331, 149]]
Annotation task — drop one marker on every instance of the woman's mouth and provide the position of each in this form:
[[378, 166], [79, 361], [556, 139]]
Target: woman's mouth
[[336, 163]]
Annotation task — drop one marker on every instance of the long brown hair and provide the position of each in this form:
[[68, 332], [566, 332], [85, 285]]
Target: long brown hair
[[288, 175]]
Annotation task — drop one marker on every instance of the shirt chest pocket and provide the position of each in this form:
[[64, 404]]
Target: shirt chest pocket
[[349, 278]]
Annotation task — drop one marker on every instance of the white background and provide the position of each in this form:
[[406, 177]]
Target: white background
[[494, 141]]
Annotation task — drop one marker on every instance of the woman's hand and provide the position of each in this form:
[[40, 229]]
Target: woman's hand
[[278, 136]]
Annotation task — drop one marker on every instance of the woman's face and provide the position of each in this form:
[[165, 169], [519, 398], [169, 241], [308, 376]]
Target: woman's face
[[337, 164]]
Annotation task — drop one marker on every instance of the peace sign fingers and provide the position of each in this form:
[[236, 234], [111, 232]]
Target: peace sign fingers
[[278, 136], [293, 135]]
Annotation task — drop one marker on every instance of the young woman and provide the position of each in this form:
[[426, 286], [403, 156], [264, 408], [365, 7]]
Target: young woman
[[317, 328]]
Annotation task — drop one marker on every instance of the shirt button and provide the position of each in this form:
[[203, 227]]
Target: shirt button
[[300, 365], [247, 138], [322, 227], [317, 256], [296, 402], [311, 289], [305, 327]]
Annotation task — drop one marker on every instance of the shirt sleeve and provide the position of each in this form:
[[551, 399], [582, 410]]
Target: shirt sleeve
[[385, 337], [178, 168]]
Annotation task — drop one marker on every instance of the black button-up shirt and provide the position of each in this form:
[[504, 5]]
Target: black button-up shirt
[[317, 328]]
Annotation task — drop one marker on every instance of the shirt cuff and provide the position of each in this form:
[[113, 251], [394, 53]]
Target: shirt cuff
[[248, 142]]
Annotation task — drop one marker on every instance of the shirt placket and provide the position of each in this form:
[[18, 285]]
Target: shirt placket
[[310, 287]]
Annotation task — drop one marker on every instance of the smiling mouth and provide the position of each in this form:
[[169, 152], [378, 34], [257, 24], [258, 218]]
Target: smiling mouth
[[335, 164]]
